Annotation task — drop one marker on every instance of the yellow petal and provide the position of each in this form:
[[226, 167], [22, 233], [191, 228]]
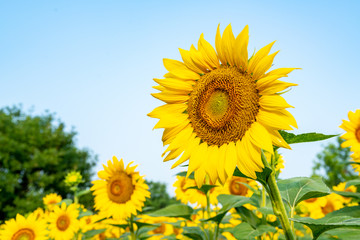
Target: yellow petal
[[186, 57], [262, 83], [212, 163], [275, 87], [170, 133], [179, 69], [263, 52], [220, 168], [168, 109], [263, 65], [175, 84], [260, 137], [199, 177], [277, 139], [198, 60], [180, 139], [218, 46], [280, 119], [196, 158], [240, 49], [169, 122], [171, 98], [230, 159], [280, 71], [193, 144], [208, 53], [227, 45], [272, 102]]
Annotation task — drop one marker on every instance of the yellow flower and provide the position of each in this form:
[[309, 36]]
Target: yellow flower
[[51, 200], [23, 228], [220, 115], [73, 178], [63, 222], [186, 194], [352, 128], [239, 186], [341, 187], [121, 191]]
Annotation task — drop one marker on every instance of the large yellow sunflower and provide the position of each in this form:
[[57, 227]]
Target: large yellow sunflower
[[22, 228], [63, 222], [352, 128], [222, 108], [121, 191]]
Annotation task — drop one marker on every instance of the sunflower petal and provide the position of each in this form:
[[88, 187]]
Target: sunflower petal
[[179, 69], [240, 49]]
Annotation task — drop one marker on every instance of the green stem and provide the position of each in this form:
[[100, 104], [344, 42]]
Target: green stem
[[278, 204], [208, 210], [133, 235]]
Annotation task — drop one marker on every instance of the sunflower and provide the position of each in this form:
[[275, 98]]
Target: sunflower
[[51, 200], [22, 228], [73, 178], [186, 194], [63, 222], [221, 108], [352, 128], [121, 191], [240, 186]]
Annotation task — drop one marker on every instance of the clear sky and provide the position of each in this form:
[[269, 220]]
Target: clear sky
[[92, 63]]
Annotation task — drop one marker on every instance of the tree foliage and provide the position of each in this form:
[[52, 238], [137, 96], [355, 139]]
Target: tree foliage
[[333, 164], [35, 155]]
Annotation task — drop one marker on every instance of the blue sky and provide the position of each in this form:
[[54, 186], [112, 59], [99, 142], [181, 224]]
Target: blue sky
[[92, 63]]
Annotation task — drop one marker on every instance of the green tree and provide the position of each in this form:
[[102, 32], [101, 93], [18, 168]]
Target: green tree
[[35, 155], [333, 164], [159, 196]]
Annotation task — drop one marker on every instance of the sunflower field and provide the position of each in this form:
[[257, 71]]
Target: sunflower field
[[224, 118]]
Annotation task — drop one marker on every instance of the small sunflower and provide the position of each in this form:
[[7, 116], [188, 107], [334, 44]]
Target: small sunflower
[[222, 108], [239, 186], [63, 222], [51, 200], [186, 194], [22, 228], [121, 191], [352, 128], [73, 178]]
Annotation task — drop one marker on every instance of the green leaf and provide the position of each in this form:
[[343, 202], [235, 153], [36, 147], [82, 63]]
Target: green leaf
[[348, 194], [123, 226], [353, 182], [348, 234], [175, 210], [86, 213], [291, 138], [249, 217], [318, 226], [295, 190], [84, 192], [261, 176], [193, 233], [92, 233], [67, 201], [353, 211], [183, 174], [244, 231], [228, 202], [204, 188]]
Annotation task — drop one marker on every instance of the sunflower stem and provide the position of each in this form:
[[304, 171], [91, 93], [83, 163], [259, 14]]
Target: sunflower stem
[[133, 235], [277, 202]]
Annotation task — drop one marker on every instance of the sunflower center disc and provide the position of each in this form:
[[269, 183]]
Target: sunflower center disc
[[357, 134], [63, 222], [120, 188], [223, 105], [328, 208], [24, 234], [237, 188]]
